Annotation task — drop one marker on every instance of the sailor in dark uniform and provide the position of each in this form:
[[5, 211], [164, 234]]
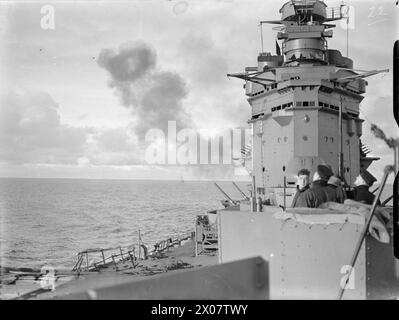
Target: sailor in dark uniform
[[303, 184], [317, 193], [334, 186], [361, 192]]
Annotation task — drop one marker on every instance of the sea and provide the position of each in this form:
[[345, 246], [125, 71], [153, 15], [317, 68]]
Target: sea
[[46, 222]]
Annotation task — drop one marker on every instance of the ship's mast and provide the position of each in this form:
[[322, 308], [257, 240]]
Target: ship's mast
[[340, 142], [304, 102]]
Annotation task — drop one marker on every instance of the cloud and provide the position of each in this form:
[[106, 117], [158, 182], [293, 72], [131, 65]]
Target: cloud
[[31, 131], [211, 69], [184, 78], [116, 147], [153, 95], [130, 63], [224, 105], [33, 136], [116, 140]]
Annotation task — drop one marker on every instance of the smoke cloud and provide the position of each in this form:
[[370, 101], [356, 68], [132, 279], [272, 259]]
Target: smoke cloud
[[153, 95]]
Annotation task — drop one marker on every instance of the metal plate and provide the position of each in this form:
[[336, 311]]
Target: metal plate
[[382, 277], [305, 262], [245, 279]]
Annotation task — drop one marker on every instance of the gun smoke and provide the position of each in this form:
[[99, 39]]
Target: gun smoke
[[153, 95]]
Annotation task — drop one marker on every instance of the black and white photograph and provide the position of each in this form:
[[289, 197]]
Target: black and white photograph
[[199, 150]]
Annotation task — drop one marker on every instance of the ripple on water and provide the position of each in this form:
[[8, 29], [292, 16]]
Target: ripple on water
[[56, 218]]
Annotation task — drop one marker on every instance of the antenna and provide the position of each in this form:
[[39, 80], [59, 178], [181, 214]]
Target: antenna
[[261, 35], [347, 35], [344, 13]]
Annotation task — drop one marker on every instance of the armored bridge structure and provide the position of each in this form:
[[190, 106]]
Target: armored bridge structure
[[304, 103]]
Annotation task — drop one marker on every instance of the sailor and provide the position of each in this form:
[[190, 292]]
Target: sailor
[[302, 184], [317, 194], [334, 186], [361, 192]]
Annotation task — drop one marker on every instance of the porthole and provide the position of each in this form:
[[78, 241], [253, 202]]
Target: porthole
[[332, 139], [305, 138]]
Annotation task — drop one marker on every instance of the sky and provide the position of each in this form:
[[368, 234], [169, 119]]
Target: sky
[[77, 100]]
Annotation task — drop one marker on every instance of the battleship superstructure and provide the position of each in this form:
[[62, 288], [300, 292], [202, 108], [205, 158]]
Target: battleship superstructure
[[304, 103], [305, 112]]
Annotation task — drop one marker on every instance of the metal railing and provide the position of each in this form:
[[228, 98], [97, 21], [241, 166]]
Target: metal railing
[[119, 254], [168, 243], [387, 171], [333, 13]]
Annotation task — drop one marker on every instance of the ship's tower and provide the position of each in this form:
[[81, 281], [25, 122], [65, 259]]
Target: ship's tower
[[305, 104]]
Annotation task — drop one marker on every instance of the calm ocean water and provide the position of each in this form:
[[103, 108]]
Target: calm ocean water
[[48, 221]]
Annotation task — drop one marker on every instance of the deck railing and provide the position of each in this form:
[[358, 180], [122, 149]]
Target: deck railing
[[168, 243], [131, 254], [117, 254], [334, 13]]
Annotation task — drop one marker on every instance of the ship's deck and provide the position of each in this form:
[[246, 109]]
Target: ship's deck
[[174, 260]]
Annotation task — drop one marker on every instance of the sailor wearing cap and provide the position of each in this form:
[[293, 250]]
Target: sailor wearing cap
[[316, 195], [334, 186], [363, 182], [303, 184]]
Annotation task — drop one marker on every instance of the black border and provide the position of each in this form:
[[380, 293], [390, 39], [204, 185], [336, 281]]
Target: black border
[[141, 309], [396, 116]]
